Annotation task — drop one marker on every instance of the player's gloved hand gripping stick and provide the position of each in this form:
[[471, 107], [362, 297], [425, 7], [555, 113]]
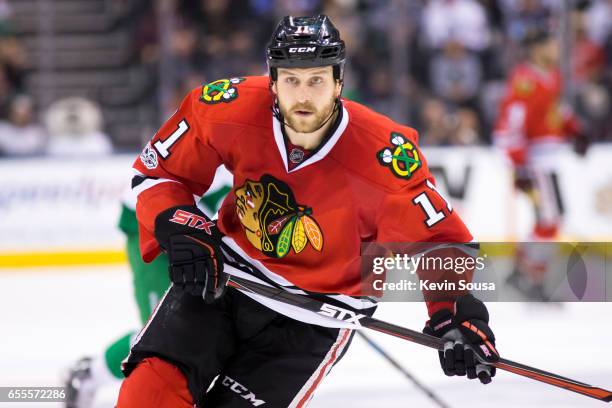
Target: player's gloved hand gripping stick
[[192, 242], [522, 179], [469, 343]]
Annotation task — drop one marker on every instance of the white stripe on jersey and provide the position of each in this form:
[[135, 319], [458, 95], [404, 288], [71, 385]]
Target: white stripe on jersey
[[148, 183], [363, 303], [294, 312]]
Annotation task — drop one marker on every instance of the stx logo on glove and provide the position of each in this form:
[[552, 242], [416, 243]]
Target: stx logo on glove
[[195, 221], [340, 314]]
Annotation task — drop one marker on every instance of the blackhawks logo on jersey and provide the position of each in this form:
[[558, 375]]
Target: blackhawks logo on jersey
[[403, 158], [222, 90], [274, 223]]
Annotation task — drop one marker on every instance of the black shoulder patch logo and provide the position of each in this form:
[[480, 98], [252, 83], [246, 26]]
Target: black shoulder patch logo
[[402, 158], [221, 90]]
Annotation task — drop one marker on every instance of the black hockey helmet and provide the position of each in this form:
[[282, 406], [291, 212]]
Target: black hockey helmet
[[536, 36], [306, 42]]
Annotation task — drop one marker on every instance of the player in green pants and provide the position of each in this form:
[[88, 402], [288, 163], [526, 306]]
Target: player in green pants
[[150, 282]]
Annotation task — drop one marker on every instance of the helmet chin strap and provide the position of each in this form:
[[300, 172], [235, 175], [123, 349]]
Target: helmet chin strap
[[278, 115]]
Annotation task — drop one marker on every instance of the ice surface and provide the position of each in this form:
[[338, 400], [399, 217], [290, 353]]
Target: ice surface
[[51, 317]]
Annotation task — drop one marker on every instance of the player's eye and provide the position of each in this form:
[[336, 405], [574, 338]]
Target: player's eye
[[316, 80], [292, 80]]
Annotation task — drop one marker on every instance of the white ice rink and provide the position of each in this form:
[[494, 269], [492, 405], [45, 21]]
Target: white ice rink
[[50, 317]]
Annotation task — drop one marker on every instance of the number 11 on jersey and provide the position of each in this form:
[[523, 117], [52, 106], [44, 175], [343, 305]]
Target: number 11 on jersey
[[433, 216]]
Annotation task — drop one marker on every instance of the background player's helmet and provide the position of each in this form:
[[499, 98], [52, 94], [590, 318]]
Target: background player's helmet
[[536, 36], [306, 42], [73, 117]]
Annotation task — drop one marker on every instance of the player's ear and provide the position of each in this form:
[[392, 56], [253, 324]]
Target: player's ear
[[338, 89], [273, 88]]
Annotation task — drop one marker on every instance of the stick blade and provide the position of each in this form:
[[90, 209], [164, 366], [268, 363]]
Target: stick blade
[[556, 380]]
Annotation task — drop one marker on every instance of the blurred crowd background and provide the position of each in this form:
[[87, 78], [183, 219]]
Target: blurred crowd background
[[99, 76]]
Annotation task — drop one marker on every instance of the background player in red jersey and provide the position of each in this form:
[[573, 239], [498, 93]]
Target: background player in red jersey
[[533, 124], [313, 180]]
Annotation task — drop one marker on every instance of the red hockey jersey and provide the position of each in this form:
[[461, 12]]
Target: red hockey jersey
[[368, 182], [531, 112]]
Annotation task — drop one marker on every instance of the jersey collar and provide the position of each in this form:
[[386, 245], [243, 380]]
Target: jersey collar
[[320, 152]]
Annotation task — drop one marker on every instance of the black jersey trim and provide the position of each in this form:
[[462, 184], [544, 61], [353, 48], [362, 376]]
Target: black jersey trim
[[139, 179]]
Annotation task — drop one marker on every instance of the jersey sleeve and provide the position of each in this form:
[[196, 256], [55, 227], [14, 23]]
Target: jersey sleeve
[[177, 164], [419, 213]]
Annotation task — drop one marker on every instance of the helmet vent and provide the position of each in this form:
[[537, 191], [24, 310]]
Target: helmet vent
[[327, 52], [277, 54]]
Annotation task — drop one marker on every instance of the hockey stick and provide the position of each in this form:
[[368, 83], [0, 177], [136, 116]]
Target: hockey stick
[[402, 370], [359, 321]]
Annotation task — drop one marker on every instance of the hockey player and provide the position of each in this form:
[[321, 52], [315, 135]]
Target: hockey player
[[315, 176], [150, 281], [532, 126]]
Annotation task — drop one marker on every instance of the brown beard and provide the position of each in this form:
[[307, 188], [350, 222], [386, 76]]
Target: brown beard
[[320, 117]]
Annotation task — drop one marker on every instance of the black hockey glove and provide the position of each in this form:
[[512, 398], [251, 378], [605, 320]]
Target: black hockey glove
[[470, 343], [581, 144], [192, 242], [522, 179]]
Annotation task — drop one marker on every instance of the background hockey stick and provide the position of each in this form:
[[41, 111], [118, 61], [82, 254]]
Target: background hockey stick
[[357, 321], [402, 370]]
